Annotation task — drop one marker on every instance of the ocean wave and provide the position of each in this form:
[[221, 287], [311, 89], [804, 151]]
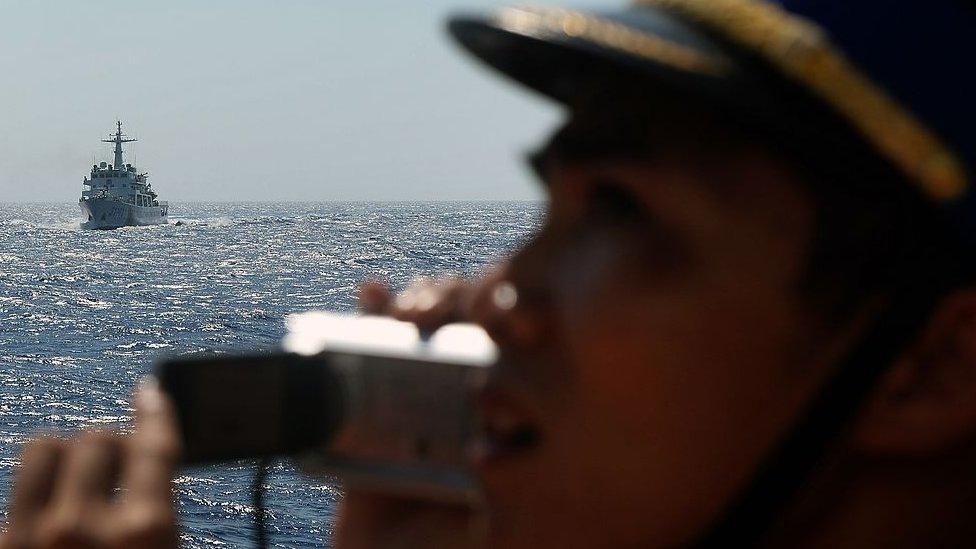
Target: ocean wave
[[87, 313], [222, 221], [61, 226]]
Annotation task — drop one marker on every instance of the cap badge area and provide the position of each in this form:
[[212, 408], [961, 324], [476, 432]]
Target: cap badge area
[[547, 22], [801, 50]]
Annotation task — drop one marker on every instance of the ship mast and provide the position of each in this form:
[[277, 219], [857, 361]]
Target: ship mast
[[118, 139]]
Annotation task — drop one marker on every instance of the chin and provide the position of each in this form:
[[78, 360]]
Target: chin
[[533, 512], [528, 518], [545, 531], [521, 534]]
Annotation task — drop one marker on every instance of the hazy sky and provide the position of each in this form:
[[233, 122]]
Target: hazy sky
[[248, 100]]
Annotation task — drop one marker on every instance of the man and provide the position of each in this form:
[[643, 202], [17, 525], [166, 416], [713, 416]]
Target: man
[[749, 315]]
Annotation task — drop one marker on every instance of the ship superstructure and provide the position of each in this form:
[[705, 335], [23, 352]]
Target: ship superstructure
[[118, 195]]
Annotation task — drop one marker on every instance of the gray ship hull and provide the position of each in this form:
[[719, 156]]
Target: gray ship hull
[[101, 213]]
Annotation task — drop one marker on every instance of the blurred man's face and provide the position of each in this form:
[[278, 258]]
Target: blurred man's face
[[658, 346]]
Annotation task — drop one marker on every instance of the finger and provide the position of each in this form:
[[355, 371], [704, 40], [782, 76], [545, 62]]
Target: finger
[[481, 304], [40, 461], [442, 306], [153, 450], [374, 297], [428, 303], [405, 303], [88, 471]]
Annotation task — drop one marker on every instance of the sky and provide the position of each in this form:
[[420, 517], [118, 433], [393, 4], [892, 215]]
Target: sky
[[243, 100]]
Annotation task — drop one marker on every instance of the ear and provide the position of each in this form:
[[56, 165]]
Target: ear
[[926, 404]]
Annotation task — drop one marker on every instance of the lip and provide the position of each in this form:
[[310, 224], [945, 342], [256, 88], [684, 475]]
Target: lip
[[509, 430]]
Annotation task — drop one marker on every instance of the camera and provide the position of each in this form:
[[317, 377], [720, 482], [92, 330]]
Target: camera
[[371, 400]]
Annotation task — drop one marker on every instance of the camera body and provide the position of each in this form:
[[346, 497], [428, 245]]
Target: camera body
[[368, 399]]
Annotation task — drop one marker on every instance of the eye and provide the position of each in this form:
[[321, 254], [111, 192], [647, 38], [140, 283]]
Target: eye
[[611, 201], [614, 209]]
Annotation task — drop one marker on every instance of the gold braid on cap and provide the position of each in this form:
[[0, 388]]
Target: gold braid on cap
[[542, 22], [801, 50]]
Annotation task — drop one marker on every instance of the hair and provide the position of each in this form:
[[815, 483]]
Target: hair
[[873, 231]]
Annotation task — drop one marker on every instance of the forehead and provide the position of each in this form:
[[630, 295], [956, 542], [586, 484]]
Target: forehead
[[744, 186], [638, 125], [679, 163], [660, 143]]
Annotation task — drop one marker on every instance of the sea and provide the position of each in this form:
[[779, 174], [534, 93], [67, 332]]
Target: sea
[[84, 315]]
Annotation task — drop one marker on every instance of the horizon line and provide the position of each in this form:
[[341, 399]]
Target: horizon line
[[337, 201]]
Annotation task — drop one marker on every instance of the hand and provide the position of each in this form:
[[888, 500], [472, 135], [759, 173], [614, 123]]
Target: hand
[[429, 303], [433, 302], [370, 520], [67, 491]]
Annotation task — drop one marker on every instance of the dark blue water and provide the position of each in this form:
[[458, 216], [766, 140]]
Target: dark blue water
[[83, 315]]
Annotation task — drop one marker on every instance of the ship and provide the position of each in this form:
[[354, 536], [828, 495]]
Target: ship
[[118, 195]]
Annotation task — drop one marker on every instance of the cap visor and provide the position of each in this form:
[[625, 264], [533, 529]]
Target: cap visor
[[560, 53]]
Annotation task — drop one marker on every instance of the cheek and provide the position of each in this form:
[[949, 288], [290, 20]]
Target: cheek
[[685, 366], [683, 390], [650, 346]]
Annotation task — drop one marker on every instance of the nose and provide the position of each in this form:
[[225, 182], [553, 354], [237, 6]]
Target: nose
[[514, 303]]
